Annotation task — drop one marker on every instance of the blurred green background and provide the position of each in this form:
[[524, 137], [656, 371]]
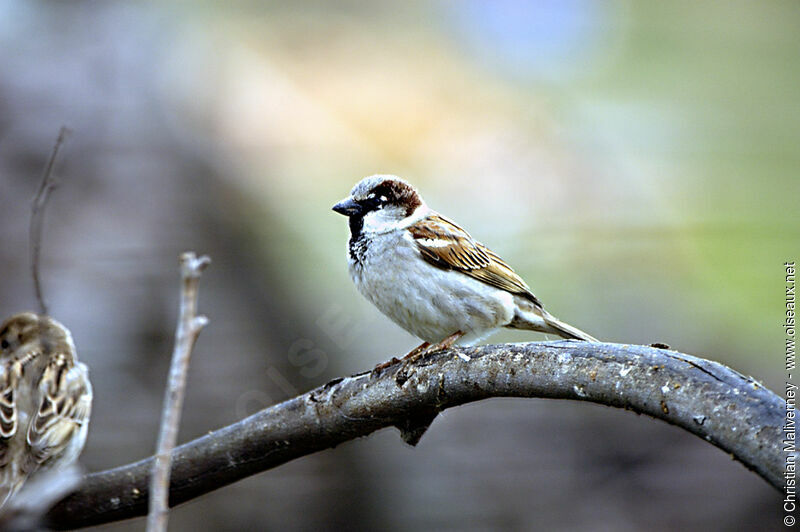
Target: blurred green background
[[636, 162]]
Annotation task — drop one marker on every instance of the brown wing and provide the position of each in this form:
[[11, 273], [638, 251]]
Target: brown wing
[[59, 427], [447, 246]]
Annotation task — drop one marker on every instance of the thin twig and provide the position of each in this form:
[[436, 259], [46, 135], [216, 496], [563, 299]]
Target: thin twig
[[189, 327], [47, 184], [712, 401]]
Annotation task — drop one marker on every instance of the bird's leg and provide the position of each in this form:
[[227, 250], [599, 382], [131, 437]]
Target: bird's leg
[[421, 348], [448, 342], [408, 360], [414, 352], [424, 349]]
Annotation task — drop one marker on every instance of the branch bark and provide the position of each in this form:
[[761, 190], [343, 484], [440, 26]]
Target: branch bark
[[712, 401], [186, 333]]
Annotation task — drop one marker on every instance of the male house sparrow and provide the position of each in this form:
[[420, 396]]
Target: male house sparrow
[[429, 275], [45, 399]]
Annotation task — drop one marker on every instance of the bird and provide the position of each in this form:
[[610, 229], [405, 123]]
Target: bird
[[429, 276], [45, 400]]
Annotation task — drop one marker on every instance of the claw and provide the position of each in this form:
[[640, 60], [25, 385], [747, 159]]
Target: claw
[[421, 350], [427, 348], [417, 351], [386, 364], [448, 342]]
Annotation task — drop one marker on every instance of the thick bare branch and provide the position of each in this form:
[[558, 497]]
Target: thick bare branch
[[189, 327], [731, 411]]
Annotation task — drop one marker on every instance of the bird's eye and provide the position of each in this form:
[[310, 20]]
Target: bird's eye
[[4, 344], [372, 202]]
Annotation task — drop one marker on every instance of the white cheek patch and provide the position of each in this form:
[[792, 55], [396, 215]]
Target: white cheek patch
[[434, 242], [383, 220]]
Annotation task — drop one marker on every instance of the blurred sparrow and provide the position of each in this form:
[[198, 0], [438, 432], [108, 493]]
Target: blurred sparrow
[[429, 275], [45, 399]]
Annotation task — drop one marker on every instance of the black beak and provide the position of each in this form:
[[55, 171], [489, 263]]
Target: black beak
[[348, 207]]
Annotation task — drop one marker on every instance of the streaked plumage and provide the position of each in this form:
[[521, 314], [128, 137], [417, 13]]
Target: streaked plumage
[[447, 246], [429, 275], [45, 399]]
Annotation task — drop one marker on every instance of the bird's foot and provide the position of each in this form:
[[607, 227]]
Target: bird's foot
[[417, 351], [427, 348], [448, 342], [411, 355], [388, 363], [421, 350]]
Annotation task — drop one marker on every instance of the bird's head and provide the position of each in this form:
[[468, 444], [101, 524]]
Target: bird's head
[[29, 331], [380, 204]]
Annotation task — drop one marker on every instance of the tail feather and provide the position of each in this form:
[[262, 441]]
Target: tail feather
[[566, 330], [542, 321], [7, 492]]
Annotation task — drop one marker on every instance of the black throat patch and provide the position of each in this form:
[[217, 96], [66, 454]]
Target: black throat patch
[[357, 246], [356, 225]]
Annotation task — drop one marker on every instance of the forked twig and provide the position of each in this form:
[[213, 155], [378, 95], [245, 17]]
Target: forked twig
[[189, 327], [37, 217]]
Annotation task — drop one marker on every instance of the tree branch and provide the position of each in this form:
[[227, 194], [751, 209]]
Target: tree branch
[[46, 186], [186, 333], [710, 400]]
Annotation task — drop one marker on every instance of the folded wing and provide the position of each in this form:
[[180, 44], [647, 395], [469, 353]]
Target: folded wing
[[445, 245], [58, 429]]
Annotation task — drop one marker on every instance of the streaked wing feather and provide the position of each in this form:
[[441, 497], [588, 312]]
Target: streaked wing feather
[[445, 245], [8, 409], [64, 408]]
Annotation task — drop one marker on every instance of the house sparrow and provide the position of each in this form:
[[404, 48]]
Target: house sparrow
[[45, 399], [429, 275]]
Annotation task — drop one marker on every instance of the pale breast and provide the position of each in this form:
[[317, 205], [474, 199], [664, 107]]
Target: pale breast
[[427, 301]]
